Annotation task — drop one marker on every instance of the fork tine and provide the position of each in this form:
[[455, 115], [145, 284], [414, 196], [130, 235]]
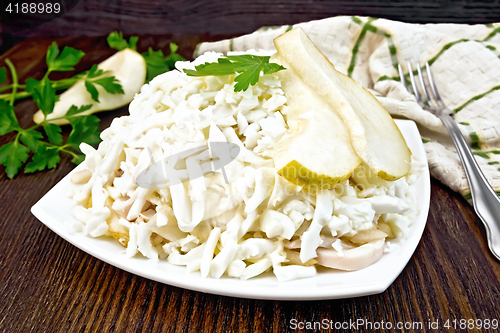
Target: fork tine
[[402, 76], [424, 87], [414, 85], [433, 86]]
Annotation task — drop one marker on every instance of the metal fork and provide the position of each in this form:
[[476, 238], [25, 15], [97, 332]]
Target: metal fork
[[485, 200]]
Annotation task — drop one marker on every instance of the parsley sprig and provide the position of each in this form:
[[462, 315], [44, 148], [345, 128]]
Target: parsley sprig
[[156, 62], [117, 42], [44, 142], [97, 77], [247, 68], [45, 147], [46, 153]]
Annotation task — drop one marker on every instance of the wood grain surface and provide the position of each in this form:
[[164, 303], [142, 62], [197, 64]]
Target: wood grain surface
[[48, 285]]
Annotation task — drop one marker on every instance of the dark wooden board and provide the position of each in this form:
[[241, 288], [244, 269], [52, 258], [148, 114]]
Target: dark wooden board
[[48, 285], [97, 17]]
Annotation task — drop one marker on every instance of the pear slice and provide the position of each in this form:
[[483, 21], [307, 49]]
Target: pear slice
[[374, 135], [127, 65], [316, 151]]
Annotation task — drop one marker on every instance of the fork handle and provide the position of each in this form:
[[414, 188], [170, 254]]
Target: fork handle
[[485, 200]]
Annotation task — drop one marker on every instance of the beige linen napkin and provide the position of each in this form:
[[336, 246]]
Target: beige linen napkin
[[465, 62]]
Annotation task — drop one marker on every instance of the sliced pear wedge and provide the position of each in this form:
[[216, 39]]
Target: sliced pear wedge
[[316, 151], [374, 135], [127, 65]]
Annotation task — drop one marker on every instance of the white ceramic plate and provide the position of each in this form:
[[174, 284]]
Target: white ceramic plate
[[54, 210]]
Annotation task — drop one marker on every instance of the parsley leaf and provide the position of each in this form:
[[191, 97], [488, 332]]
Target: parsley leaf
[[2, 75], [220, 68], [247, 67], [157, 63], [46, 157], [85, 129], [12, 156], [110, 83], [73, 110], [30, 138], [43, 94], [95, 72], [173, 57], [92, 90], [52, 53], [78, 158], [8, 120], [117, 42], [65, 61], [53, 132]]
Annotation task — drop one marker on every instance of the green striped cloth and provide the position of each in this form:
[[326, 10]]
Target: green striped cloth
[[465, 62]]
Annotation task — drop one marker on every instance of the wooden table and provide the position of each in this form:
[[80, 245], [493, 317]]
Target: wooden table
[[48, 285]]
